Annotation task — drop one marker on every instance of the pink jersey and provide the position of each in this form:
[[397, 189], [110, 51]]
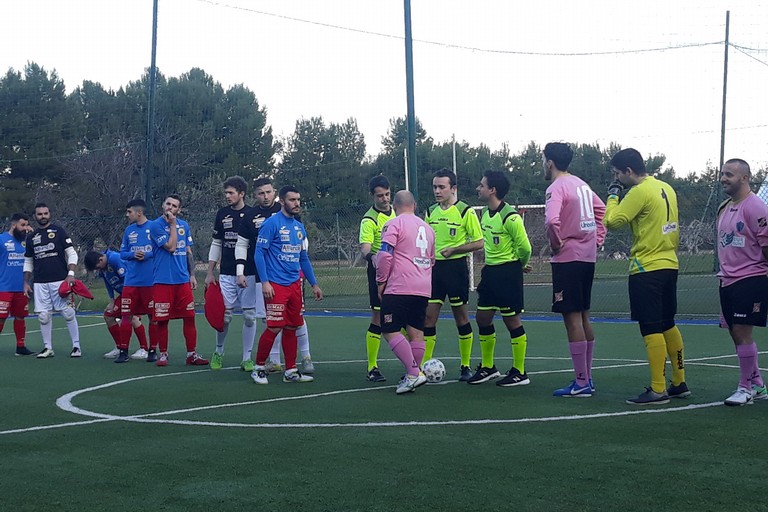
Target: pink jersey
[[574, 220], [406, 256], [742, 232]]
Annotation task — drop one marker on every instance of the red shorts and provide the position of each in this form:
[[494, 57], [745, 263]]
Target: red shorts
[[114, 311], [285, 308], [173, 301], [13, 304], [136, 300]]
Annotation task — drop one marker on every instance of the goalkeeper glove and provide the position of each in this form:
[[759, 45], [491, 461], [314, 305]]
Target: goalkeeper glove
[[615, 188]]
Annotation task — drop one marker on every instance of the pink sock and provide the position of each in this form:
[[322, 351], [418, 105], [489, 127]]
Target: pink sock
[[579, 357], [590, 349], [747, 362], [418, 348], [404, 353]]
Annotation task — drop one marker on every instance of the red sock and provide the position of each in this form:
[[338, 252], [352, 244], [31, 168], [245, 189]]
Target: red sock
[[290, 343], [190, 333], [20, 329], [153, 339], [162, 335], [142, 335], [124, 340], [266, 340], [114, 331]]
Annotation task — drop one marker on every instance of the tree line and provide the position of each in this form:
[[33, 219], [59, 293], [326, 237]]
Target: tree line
[[84, 152]]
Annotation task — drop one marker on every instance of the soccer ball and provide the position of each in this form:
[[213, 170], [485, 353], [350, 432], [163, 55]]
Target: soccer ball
[[434, 370]]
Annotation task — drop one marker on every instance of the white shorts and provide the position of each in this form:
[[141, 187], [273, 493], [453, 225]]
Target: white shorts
[[249, 297], [47, 297]]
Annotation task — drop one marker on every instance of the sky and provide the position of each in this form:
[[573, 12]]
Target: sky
[[490, 71]]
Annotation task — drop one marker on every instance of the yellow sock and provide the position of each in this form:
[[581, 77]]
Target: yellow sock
[[429, 347], [465, 348], [657, 358], [372, 343], [487, 348], [676, 353], [519, 347]]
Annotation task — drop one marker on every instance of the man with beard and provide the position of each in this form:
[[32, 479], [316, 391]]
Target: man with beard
[[50, 259], [248, 233], [13, 302]]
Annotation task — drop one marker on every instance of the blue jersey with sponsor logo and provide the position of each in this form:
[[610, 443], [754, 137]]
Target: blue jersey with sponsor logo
[[136, 238], [281, 251], [170, 267], [11, 263], [114, 274]]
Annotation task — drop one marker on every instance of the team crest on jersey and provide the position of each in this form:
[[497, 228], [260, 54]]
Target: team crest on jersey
[[51, 235], [739, 226], [496, 240], [299, 235], [452, 232], [110, 269], [181, 231]]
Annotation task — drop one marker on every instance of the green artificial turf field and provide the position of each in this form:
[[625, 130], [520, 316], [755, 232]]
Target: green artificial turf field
[[90, 435]]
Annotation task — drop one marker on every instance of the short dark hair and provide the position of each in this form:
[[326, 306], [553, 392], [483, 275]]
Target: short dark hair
[[174, 196], [16, 217], [261, 182], [631, 158], [136, 203], [742, 163], [237, 183], [284, 191], [498, 180], [445, 173], [378, 181], [560, 153], [41, 205], [91, 260]]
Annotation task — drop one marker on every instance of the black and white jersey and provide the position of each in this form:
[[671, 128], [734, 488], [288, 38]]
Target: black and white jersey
[[225, 228], [249, 229], [47, 246]]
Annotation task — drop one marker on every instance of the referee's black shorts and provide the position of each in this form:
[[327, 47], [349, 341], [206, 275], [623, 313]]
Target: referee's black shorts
[[653, 296], [373, 289], [572, 286], [501, 287], [450, 278], [745, 302]]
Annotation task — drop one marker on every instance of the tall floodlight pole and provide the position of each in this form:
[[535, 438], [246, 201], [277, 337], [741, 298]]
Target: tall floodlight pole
[[725, 89], [414, 176], [149, 172], [722, 122]]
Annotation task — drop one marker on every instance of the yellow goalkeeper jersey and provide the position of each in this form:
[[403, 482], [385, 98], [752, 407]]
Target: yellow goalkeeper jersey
[[650, 209]]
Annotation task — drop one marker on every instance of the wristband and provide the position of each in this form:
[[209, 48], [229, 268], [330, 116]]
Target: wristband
[[71, 273]]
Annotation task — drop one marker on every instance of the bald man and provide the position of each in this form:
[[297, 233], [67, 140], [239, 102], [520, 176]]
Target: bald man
[[742, 230], [404, 279]]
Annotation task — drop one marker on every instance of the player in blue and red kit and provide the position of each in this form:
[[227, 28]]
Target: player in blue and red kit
[[280, 257], [137, 252], [13, 302], [110, 267], [174, 279]]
